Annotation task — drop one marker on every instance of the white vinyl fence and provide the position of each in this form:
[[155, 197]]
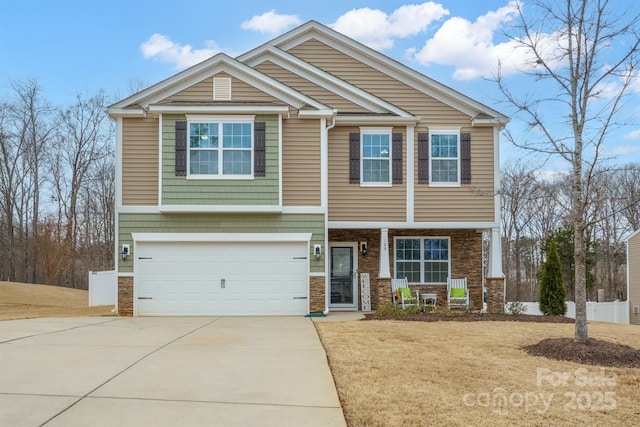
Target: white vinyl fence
[[613, 312], [103, 288]]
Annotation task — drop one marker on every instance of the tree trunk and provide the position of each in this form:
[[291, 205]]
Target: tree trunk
[[581, 333], [579, 256]]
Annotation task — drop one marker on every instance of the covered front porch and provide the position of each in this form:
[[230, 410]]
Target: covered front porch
[[425, 256]]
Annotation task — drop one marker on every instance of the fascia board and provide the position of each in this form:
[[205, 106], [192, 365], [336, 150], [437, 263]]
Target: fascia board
[[495, 122], [181, 109], [384, 64], [316, 113], [386, 120], [125, 112], [324, 79]]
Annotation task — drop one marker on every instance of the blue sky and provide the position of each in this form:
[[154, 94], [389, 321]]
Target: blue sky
[[83, 46]]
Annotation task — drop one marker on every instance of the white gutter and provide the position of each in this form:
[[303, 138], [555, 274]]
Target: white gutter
[[324, 201]]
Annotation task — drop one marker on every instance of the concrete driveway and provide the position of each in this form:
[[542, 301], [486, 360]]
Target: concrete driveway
[[215, 371]]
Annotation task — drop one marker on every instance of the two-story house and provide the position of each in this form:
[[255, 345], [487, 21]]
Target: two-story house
[[264, 184]]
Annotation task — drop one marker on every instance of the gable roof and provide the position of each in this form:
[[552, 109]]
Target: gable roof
[[321, 77], [481, 113], [150, 99], [143, 101]]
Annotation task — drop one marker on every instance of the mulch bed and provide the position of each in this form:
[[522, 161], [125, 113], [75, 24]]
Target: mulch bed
[[595, 352], [474, 317]]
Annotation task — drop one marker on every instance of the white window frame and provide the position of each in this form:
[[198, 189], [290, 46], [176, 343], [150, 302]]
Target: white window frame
[[444, 131], [422, 260], [376, 131], [220, 121]]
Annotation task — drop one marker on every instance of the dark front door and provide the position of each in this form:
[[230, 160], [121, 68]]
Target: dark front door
[[342, 277]]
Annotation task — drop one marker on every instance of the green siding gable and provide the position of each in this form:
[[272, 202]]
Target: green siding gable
[[221, 223], [178, 190]]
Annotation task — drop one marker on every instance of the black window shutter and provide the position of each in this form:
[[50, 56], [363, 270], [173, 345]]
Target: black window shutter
[[396, 159], [259, 145], [423, 158], [354, 158], [181, 148], [465, 158]]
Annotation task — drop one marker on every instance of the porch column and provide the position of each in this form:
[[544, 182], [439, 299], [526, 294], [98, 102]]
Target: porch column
[[495, 284], [385, 272], [495, 254]]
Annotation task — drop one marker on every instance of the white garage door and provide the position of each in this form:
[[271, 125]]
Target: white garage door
[[222, 278]]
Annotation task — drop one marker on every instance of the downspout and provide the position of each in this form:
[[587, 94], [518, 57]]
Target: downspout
[[324, 173]]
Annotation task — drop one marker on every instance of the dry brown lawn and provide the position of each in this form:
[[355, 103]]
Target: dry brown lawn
[[25, 301], [398, 373]]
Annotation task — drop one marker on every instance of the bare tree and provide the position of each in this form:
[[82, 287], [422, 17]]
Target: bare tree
[[519, 190], [580, 86], [628, 191], [31, 116], [82, 142]]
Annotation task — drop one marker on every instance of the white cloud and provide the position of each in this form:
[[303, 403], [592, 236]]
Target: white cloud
[[161, 48], [633, 135], [377, 29], [621, 150], [551, 176], [271, 22], [469, 45]]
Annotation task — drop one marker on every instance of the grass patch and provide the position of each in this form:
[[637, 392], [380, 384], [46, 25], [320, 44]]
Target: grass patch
[[392, 373], [25, 301]]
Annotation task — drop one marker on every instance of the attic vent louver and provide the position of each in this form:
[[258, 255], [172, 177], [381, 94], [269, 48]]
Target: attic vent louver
[[221, 89]]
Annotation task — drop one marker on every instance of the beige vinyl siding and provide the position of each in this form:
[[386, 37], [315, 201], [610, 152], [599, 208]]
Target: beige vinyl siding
[[140, 162], [240, 92], [634, 277], [351, 202], [221, 223], [309, 88], [469, 202], [377, 83], [301, 162], [178, 190]]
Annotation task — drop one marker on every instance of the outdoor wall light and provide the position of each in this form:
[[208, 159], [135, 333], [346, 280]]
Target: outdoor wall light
[[317, 251], [125, 251], [363, 248]]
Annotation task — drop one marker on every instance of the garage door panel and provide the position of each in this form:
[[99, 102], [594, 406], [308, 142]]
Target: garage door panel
[[187, 278]]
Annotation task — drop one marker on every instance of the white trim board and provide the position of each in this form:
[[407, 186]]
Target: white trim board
[[221, 237], [219, 208], [407, 225]]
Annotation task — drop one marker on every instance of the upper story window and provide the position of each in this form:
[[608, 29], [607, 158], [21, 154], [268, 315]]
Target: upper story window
[[445, 158], [376, 156], [220, 147]]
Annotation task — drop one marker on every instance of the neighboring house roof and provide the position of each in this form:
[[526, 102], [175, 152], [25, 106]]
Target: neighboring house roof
[[633, 235], [378, 110]]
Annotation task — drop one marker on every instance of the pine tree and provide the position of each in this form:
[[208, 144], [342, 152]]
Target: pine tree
[[553, 296]]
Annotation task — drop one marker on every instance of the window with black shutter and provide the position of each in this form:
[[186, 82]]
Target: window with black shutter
[[181, 148], [259, 149], [423, 158]]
